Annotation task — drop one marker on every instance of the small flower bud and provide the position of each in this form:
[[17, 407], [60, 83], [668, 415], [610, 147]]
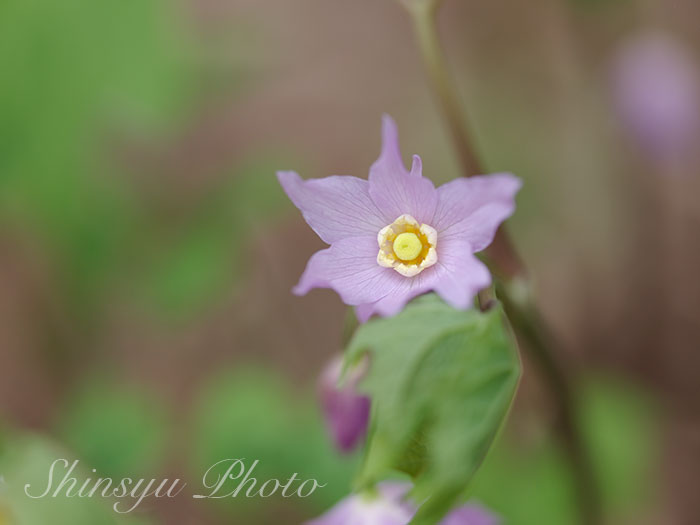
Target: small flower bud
[[345, 409]]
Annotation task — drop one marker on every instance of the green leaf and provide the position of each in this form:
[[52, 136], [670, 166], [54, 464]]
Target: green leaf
[[74, 75], [441, 381], [27, 461], [120, 432], [527, 484], [195, 264], [527, 478], [619, 424], [254, 414]]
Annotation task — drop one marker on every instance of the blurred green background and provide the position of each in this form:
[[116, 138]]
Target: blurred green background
[[147, 253]]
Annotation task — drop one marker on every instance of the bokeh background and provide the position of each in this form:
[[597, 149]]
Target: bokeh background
[[147, 253]]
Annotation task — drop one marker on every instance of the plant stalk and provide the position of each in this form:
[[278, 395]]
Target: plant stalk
[[529, 327]]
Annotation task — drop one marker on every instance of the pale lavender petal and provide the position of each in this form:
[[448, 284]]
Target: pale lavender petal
[[364, 312], [473, 208], [457, 278], [657, 93], [345, 409], [459, 275], [335, 207], [386, 508], [348, 213], [471, 514], [350, 268], [315, 274], [390, 156], [396, 191], [407, 289], [396, 491]]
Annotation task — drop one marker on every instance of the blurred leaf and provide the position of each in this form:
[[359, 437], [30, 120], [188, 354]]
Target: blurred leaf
[[72, 71], [187, 275], [252, 414], [441, 383], [531, 484], [527, 487], [119, 431], [618, 424], [198, 263], [27, 461], [254, 193]]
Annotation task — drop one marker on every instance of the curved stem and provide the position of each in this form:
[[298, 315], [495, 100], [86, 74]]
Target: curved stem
[[529, 327], [423, 14]]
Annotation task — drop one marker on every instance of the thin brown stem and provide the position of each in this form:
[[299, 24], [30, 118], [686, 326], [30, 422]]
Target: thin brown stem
[[531, 331]]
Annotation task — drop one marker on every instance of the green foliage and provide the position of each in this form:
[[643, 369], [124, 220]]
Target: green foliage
[[527, 487], [253, 414], [618, 423], [441, 382], [26, 461], [121, 432], [75, 76], [193, 265], [529, 483], [74, 72]]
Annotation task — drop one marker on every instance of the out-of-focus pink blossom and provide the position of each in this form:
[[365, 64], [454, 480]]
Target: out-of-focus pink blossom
[[657, 94]]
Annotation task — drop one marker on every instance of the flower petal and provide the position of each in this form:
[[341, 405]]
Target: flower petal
[[475, 207], [385, 508], [396, 191], [459, 274], [471, 514], [350, 268], [364, 312], [407, 289], [457, 278], [335, 207]]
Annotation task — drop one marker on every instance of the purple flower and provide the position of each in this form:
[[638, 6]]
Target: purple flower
[[389, 506], [386, 507], [395, 236], [346, 411], [657, 94], [470, 514]]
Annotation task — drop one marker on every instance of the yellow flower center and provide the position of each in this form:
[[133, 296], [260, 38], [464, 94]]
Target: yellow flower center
[[407, 246]]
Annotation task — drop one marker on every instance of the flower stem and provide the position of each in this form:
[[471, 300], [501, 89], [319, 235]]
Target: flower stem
[[531, 331], [423, 14]]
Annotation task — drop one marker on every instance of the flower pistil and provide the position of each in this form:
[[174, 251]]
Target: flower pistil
[[407, 246]]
